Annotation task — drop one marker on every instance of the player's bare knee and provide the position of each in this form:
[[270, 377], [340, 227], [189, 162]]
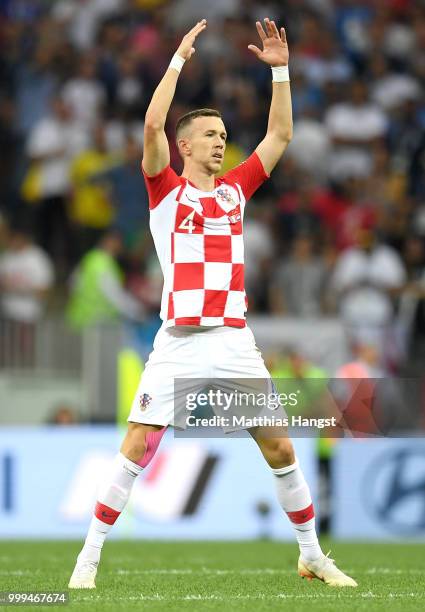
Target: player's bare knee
[[134, 443], [279, 452]]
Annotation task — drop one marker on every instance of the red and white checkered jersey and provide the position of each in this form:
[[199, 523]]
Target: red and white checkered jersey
[[199, 242]]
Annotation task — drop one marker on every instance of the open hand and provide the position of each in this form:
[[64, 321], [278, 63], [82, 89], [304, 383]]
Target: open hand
[[275, 48], [186, 48]]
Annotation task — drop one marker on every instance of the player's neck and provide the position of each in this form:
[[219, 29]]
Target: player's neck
[[199, 178]]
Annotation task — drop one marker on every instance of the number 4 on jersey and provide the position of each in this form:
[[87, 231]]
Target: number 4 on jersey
[[187, 223]]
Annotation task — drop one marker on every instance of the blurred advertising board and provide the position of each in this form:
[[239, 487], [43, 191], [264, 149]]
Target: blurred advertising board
[[209, 488], [379, 489]]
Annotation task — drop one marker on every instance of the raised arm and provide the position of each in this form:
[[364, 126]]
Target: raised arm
[[156, 152], [279, 129]]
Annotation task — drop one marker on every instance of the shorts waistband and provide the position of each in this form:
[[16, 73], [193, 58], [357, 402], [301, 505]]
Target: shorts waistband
[[180, 331]]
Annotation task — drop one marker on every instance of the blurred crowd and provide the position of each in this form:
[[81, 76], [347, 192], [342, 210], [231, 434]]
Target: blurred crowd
[[339, 230]]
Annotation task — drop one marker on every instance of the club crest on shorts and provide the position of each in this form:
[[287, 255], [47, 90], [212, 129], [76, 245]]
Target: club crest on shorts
[[145, 400]]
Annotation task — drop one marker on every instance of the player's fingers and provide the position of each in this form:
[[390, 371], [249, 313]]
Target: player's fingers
[[274, 29], [201, 25], [283, 35], [191, 32], [260, 30], [200, 29], [192, 37], [255, 50], [269, 28]]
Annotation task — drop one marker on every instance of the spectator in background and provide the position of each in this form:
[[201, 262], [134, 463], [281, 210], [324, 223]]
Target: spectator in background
[[354, 388], [195, 86], [91, 209], [297, 212], [310, 145], [118, 127], [50, 147], [328, 64], [26, 275], [64, 415], [248, 120], [370, 400], [83, 93], [97, 288], [352, 28], [128, 190], [307, 97], [367, 279], [386, 184], [295, 372], [353, 127], [35, 85], [258, 243], [366, 363], [358, 213], [298, 282], [82, 18], [335, 211], [391, 89], [129, 89]]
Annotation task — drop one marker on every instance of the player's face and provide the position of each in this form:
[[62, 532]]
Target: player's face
[[207, 142]]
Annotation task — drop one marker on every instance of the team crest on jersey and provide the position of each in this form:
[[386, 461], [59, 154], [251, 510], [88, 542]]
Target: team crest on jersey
[[234, 215], [226, 196], [145, 400]]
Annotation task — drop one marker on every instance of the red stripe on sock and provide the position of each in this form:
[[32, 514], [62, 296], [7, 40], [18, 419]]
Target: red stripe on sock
[[106, 514], [301, 516]]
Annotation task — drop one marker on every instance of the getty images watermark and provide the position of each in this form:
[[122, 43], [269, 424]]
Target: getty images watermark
[[226, 402], [329, 407]]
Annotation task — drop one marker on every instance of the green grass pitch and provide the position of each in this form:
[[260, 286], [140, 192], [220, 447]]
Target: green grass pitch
[[196, 576]]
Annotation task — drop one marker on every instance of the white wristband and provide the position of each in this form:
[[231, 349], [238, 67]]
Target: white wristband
[[177, 62], [280, 74]]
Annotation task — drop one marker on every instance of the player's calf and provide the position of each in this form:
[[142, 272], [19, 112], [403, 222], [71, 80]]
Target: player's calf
[[293, 491], [138, 449], [141, 443], [294, 496]]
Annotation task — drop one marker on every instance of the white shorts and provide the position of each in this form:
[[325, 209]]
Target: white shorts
[[197, 354]]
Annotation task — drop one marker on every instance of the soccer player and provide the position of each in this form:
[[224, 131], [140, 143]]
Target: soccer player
[[196, 223]]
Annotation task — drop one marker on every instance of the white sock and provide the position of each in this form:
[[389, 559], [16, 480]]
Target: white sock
[[294, 496], [112, 498]]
